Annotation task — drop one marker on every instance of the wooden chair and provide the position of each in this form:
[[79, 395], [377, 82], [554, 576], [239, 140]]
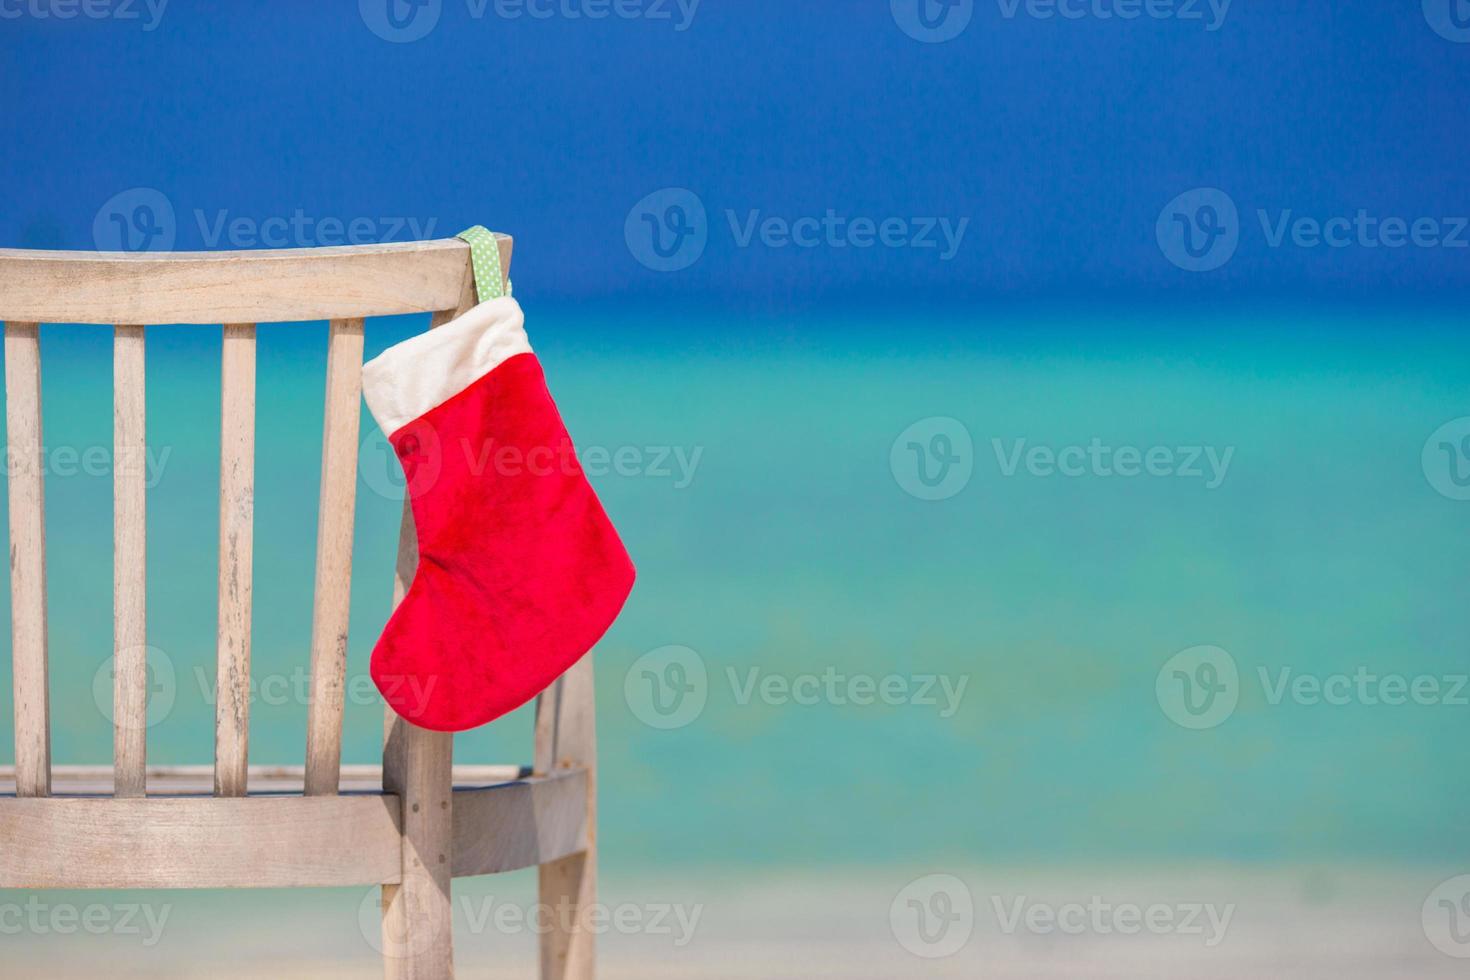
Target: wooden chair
[[411, 826]]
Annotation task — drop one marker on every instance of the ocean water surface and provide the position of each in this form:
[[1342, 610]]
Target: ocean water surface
[[1021, 623]]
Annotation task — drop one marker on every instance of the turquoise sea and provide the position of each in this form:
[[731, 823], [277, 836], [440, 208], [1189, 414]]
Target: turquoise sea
[[774, 538]]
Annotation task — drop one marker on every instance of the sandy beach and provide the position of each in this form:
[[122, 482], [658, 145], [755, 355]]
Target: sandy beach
[[1207, 923]]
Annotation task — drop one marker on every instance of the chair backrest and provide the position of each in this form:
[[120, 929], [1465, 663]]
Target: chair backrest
[[235, 290]]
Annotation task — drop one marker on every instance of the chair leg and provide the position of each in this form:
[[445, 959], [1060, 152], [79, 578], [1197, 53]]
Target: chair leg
[[566, 737], [418, 921], [569, 891]]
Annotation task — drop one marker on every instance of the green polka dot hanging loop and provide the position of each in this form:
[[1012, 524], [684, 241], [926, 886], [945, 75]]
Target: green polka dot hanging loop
[[490, 281]]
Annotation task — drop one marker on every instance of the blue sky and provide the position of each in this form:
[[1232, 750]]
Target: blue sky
[[1048, 136]]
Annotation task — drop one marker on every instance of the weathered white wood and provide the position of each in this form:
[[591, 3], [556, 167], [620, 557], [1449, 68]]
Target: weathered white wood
[[418, 926], [520, 824], [236, 546], [199, 842], [254, 286], [568, 740], [71, 780], [27, 559], [503, 826], [412, 840], [129, 563], [548, 714], [334, 557], [394, 727]]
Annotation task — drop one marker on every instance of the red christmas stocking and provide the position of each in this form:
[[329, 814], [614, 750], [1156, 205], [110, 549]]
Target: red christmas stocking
[[520, 572]]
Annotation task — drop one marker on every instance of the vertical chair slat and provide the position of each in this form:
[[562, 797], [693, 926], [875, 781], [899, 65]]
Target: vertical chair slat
[[334, 557], [129, 563], [395, 729], [418, 765], [418, 930], [236, 547], [566, 737], [27, 560], [548, 727]]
